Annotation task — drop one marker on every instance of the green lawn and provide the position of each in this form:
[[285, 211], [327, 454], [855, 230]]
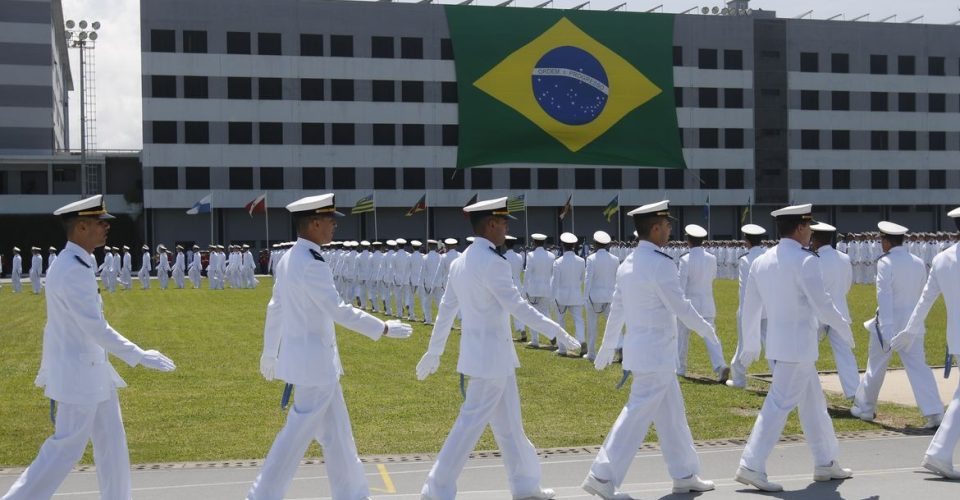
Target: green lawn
[[215, 406]]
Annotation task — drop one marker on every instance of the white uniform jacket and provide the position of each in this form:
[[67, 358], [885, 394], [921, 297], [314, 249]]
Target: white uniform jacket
[[76, 339], [516, 267], [416, 269], [648, 298], [401, 268], [943, 279], [301, 315], [601, 276], [900, 280], [837, 275], [786, 283], [698, 269], [431, 263], [536, 278], [480, 287], [568, 274]]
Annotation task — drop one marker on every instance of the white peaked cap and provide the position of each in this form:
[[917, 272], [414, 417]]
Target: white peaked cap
[[510, 238], [392, 243], [450, 241], [92, 206], [401, 241], [538, 237], [601, 237], [568, 238], [753, 230], [319, 204], [496, 206], [635, 235], [795, 210], [954, 213], [891, 228], [695, 231], [416, 243], [823, 227], [470, 239], [365, 243], [658, 208]]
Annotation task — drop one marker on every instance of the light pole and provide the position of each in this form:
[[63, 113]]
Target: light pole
[[80, 37]]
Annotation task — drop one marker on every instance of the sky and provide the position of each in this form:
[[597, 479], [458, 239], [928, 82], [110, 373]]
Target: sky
[[117, 54]]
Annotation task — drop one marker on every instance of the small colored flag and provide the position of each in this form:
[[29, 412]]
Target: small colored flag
[[706, 209], [201, 207], [566, 208], [363, 205], [611, 209], [746, 212], [419, 207], [258, 205], [516, 204]]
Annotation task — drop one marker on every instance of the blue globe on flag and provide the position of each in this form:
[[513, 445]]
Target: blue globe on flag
[[570, 85]]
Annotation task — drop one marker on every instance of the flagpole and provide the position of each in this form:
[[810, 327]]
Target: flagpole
[[750, 203], [573, 217], [211, 217], [266, 219], [619, 218], [426, 217], [376, 233], [526, 220]]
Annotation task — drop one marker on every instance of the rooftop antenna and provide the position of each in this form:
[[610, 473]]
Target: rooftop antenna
[[505, 4], [831, 18], [543, 4], [914, 19], [860, 17], [691, 9], [624, 4], [805, 14], [578, 7], [894, 16], [425, 1], [648, 10], [465, 2]]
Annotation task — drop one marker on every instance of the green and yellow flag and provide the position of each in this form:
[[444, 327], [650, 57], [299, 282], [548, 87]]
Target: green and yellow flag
[[554, 86]]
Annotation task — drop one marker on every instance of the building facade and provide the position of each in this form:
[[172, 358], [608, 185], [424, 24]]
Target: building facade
[[293, 97]]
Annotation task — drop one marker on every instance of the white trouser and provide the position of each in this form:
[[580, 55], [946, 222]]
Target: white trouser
[[921, 378], [386, 295], [541, 304], [654, 397], [318, 413], [15, 281], [370, 289], [738, 371], [945, 440], [109, 282], [178, 278], [406, 292], [35, 282], [144, 277], [194, 277], [794, 385], [424, 302], [846, 363], [715, 351], [125, 278], [493, 401], [164, 278], [593, 319], [77, 425], [577, 313], [400, 296]]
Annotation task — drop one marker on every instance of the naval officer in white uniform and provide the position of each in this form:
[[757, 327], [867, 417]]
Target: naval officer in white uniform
[[698, 269], [598, 287], [785, 282], [300, 348], [753, 236], [942, 279], [480, 286], [648, 300], [75, 371], [568, 273]]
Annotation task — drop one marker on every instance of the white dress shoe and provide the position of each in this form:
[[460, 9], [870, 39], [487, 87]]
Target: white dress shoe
[[731, 383], [933, 421], [939, 467], [543, 494], [756, 479], [692, 484], [856, 411], [604, 490], [831, 472]]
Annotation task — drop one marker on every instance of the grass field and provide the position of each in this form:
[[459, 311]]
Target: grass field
[[216, 406]]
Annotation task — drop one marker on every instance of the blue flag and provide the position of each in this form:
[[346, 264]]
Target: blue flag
[[200, 207]]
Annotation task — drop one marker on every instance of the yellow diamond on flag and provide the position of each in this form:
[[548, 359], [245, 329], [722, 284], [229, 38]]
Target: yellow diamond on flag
[[568, 84]]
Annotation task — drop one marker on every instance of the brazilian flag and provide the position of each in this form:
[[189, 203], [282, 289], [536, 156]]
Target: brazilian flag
[[554, 86]]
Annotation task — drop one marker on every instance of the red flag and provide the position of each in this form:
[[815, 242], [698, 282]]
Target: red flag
[[419, 207], [258, 205], [566, 208]]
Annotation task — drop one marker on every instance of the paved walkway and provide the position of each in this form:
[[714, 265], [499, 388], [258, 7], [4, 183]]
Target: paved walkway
[[896, 387], [885, 466]]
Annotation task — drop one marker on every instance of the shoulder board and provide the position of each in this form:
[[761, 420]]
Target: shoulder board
[[661, 253], [316, 255], [882, 256], [743, 255], [494, 250], [685, 253], [84, 264], [809, 250]]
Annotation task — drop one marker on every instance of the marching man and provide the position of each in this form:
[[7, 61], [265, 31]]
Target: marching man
[[753, 235], [536, 281], [698, 269], [300, 348], [16, 271], [36, 269], [163, 267], [75, 371], [480, 286], [568, 274], [600, 280], [648, 300], [144, 273], [179, 267]]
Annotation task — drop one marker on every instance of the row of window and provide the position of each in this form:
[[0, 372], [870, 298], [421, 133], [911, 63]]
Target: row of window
[[272, 133], [310, 89], [880, 64], [907, 140], [310, 44], [879, 179], [839, 100], [480, 178]]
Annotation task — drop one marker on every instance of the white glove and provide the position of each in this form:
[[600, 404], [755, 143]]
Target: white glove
[[903, 341], [567, 342], [428, 364], [398, 330], [748, 357], [156, 361], [604, 358], [267, 365]]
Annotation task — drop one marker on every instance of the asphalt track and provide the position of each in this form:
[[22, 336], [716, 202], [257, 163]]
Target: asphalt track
[[885, 464]]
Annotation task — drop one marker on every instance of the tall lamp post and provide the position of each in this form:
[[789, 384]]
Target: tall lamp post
[[83, 36]]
